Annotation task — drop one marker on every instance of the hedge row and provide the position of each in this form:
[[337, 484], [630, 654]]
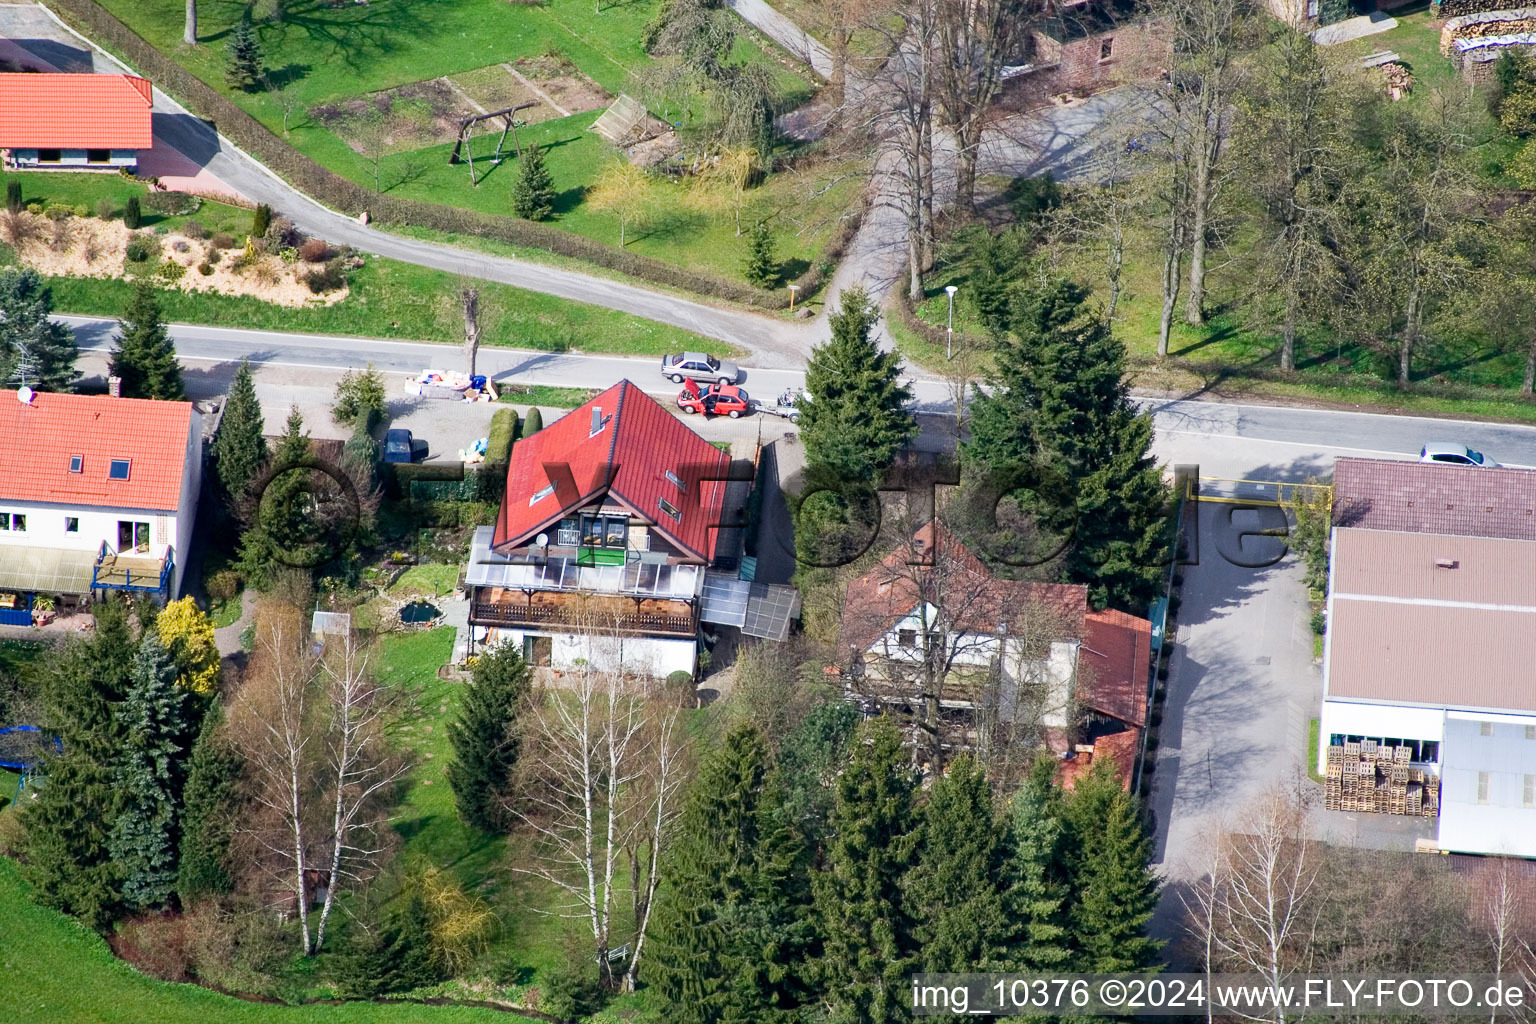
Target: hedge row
[[351, 198], [1458, 8]]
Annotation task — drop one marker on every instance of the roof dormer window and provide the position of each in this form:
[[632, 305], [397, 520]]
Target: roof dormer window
[[77, 463], [119, 468], [540, 495]]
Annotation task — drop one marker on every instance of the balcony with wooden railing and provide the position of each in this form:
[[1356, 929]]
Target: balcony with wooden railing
[[585, 613]]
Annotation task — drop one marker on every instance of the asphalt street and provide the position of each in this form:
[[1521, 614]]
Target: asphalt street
[[1231, 440]]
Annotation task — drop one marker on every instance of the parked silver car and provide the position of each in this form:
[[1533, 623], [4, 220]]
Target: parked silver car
[[700, 366]]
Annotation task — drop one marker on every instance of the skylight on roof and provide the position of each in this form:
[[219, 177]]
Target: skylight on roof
[[540, 495], [676, 482], [76, 463], [119, 468], [670, 509]]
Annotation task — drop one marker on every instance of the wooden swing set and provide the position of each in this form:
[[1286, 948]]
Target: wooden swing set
[[467, 126]]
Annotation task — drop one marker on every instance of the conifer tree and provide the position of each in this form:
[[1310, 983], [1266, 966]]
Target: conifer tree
[[809, 760], [759, 266], [33, 349], [240, 447], [1058, 400], [283, 521], [244, 70], [857, 418], [145, 357], [67, 859], [1114, 891], [207, 819], [864, 924], [149, 775], [484, 737], [1037, 890], [397, 956], [956, 888], [533, 191], [730, 932]]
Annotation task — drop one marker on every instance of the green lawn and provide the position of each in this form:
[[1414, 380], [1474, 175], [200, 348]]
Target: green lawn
[[87, 188], [323, 55], [401, 300], [429, 580], [545, 395], [56, 972], [226, 613], [1313, 732]]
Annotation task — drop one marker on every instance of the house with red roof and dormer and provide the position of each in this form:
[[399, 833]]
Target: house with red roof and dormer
[[97, 493], [74, 121], [615, 545]]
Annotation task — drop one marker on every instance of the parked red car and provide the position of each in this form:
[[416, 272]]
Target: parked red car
[[715, 400]]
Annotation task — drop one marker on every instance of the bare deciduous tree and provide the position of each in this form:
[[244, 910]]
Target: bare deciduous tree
[[469, 296]]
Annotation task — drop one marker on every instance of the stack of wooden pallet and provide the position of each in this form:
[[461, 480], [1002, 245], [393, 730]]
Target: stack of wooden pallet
[[1377, 778]]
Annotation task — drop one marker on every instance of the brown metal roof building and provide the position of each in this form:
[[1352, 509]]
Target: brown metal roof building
[[1424, 497]]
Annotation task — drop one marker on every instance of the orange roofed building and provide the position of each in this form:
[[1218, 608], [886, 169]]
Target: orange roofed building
[[615, 544], [96, 494], [1030, 657], [74, 121]]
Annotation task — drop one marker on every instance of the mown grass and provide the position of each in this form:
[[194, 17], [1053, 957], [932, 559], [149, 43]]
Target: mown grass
[[431, 580], [544, 395], [391, 299], [322, 54], [88, 188], [57, 972]]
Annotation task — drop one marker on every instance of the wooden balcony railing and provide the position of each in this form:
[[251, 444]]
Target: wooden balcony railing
[[486, 613]]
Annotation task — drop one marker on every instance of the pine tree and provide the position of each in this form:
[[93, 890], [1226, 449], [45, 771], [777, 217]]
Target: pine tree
[[956, 888], [240, 447], [857, 418], [808, 762], [533, 191], [730, 933], [283, 522], [244, 70], [760, 267], [67, 859], [1114, 891], [145, 357], [1037, 890], [208, 813], [395, 957], [150, 772], [133, 213], [31, 345], [1058, 401], [484, 737], [863, 920]]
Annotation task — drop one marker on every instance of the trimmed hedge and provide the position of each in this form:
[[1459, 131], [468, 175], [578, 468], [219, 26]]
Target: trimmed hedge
[[350, 198], [498, 447]]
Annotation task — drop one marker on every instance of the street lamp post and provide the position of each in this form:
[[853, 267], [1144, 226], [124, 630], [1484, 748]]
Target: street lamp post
[[794, 290], [949, 347]]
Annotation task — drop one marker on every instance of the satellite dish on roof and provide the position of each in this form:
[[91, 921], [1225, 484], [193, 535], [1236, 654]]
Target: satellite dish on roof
[[542, 540], [24, 395]]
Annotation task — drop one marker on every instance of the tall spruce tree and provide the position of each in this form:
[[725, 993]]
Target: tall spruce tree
[[759, 266], [208, 813], [240, 447], [809, 761], [1109, 858], [34, 350], [1037, 890], [857, 418], [1058, 400], [244, 70], [282, 526], [68, 820], [960, 916], [145, 357], [533, 191], [484, 737], [149, 773], [730, 933], [864, 921], [398, 955]]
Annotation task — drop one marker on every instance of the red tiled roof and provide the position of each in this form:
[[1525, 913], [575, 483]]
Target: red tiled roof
[[1426, 497], [41, 437], [62, 111], [1112, 665], [968, 594], [627, 460], [1121, 748]]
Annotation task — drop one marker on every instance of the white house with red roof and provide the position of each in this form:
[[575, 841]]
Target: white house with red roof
[[96, 494], [608, 547], [74, 121]]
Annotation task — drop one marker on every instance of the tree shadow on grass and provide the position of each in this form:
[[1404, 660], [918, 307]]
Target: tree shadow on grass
[[355, 35], [1213, 337], [569, 199]]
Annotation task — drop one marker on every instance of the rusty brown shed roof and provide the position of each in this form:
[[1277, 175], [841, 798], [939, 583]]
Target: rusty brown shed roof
[[1420, 497]]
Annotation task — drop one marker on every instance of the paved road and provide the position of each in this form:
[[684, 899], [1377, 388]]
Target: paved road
[[800, 43]]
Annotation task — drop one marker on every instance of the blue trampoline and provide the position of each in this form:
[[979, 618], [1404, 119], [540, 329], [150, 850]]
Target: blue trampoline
[[22, 749]]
